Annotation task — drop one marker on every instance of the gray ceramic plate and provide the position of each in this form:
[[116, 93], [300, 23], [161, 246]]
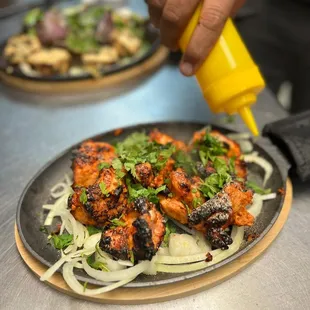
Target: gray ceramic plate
[[30, 215]]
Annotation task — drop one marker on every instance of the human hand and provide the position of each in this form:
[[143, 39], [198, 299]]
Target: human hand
[[172, 17]]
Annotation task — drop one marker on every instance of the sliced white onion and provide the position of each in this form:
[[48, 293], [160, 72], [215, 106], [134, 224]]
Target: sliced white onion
[[256, 207], [183, 245], [68, 180], [75, 285], [183, 227], [163, 251], [202, 242], [152, 269], [59, 190], [111, 264], [126, 263], [237, 236], [269, 196], [245, 146], [92, 241], [239, 136], [113, 276], [262, 163]]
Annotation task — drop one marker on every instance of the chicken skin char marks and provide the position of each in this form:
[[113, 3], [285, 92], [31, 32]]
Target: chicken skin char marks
[[194, 184]]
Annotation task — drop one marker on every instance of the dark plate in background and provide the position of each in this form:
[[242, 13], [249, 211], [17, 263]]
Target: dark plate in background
[[30, 215], [151, 36]]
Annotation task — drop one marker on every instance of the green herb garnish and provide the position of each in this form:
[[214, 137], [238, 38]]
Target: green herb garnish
[[83, 196], [132, 257], [61, 241], [184, 161], [170, 229], [85, 286], [103, 166], [137, 190], [104, 189], [96, 264], [118, 166], [93, 230], [257, 189], [118, 223], [33, 17], [43, 229]]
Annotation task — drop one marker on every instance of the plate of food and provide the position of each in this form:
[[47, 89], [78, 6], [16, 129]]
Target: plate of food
[[78, 42], [150, 205]]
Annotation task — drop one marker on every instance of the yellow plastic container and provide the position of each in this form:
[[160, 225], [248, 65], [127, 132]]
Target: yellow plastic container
[[229, 78]]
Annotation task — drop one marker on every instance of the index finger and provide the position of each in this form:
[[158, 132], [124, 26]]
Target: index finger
[[211, 23]]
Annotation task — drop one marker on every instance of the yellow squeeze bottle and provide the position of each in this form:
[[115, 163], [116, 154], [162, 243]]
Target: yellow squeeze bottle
[[229, 78]]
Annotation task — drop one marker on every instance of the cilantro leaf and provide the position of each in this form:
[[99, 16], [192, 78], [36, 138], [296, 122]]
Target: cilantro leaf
[[184, 161], [93, 230], [137, 190], [33, 17], [61, 241], [96, 264], [132, 258], [118, 166], [104, 189], [257, 189], [103, 166], [83, 196], [170, 229], [43, 229], [117, 222]]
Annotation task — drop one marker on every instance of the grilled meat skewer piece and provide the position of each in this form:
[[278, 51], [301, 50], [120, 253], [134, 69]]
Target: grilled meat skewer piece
[[140, 235]]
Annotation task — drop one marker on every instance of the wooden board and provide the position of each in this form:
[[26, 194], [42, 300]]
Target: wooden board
[[135, 73], [169, 291]]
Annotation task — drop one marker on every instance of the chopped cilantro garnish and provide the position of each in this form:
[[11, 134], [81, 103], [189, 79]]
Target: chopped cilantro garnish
[[197, 202], [118, 166], [104, 189], [132, 257], [170, 229], [61, 241], [93, 230], [137, 190], [83, 196], [103, 166], [184, 160], [43, 229], [117, 222], [96, 264], [187, 207], [257, 189]]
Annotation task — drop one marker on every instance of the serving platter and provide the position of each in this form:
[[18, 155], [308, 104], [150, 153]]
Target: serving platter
[[30, 215]]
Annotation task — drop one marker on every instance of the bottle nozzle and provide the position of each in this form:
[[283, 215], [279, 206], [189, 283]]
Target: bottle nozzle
[[248, 118]]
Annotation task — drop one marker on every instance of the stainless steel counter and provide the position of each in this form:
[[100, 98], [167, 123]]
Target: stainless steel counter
[[33, 133]]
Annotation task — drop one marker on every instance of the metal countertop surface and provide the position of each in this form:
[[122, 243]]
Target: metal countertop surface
[[34, 129]]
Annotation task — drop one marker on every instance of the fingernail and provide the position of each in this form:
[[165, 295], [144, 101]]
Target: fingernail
[[187, 68]]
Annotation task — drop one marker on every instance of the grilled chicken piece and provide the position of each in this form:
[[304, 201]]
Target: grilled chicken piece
[[212, 218], [163, 139], [240, 199], [106, 55], [174, 209], [145, 174], [141, 235], [87, 159], [164, 173], [106, 200]]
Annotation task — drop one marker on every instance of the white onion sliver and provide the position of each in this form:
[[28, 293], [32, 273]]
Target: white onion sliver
[[126, 263], [257, 205], [262, 163], [113, 276], [237, 235], [59, 190], [68, 180], [239, 136], [49, 219], [183, 227], [269, 196], [75, 285], [246, 146], [92, 241]]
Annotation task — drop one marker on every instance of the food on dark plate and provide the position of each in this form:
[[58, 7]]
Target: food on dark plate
[[136, 195], [76, 40]]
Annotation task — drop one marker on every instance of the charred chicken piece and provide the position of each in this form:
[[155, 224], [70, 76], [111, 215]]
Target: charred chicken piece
[[106, 200], [240, 199], [140, 235], [145, 174], [87, 159], [163, 139], [163, 174], [212, 218]]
